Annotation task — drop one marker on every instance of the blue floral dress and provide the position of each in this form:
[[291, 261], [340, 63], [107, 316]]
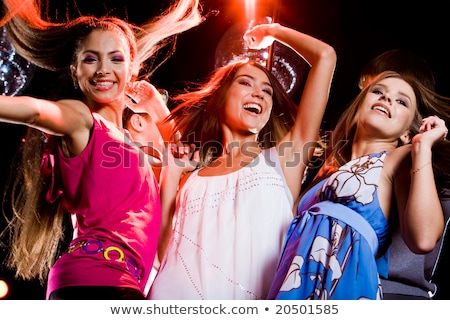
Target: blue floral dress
[[331, 246]]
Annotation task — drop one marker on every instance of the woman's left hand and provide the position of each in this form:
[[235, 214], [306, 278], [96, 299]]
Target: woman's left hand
[[259, 36], [432, 130]]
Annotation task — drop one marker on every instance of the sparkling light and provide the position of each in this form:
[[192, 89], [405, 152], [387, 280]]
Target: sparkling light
[[15, 71]]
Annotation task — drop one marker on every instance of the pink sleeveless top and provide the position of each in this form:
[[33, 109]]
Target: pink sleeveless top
[[114, 195]]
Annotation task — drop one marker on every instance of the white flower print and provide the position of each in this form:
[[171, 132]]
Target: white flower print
[[347, 182], [323, 252], [293, 278]]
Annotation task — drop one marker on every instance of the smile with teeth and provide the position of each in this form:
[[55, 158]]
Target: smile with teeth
[[253, 107], [103, 84], [382, 109]]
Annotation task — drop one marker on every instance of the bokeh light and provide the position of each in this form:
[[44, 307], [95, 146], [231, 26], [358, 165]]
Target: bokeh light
[[3, 289]]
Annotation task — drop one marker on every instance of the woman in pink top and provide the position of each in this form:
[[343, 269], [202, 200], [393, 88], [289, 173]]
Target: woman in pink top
[[89, 167]]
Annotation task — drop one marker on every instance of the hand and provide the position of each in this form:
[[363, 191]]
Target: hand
[[183, 157], [259, 36], [138, 90], [432, 130], [144, 97]]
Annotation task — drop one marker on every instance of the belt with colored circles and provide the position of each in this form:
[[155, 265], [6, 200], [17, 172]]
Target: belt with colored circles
[[94, 246]]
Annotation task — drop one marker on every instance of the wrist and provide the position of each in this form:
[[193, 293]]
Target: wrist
[[274, 29]]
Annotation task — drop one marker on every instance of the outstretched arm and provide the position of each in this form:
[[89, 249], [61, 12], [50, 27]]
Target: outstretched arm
[[293, 149], [69, 118]]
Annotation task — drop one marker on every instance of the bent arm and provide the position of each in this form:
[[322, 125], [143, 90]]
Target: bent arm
[[420, 210], [322, 59]]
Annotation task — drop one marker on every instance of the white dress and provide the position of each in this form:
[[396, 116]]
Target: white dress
[[228, 234]]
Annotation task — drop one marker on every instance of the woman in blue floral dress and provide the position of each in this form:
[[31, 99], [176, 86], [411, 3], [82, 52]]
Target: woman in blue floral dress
[[379, 166]]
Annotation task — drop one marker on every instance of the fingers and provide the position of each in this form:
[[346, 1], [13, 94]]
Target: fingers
[[184, 156], [142, 86], [250, 38], [188, 151], [141, 89], [434, 127], [258, 37], [432, 122]]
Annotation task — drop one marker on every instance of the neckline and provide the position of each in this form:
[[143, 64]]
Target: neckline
[[230, 172]]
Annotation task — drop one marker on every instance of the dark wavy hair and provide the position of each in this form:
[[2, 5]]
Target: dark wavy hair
[[197, 113]]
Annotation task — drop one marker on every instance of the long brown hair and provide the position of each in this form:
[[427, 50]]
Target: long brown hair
[[197, 113], [339, 146]]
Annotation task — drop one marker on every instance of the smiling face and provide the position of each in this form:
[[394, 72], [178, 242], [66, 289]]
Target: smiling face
[[389, 108], [103, 67], [249, 101]]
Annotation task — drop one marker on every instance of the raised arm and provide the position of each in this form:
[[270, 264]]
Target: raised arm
[[293, 152]]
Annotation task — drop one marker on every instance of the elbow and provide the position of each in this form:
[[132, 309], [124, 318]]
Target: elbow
[[328, 54], [421, 238], [32, 120], [422, 245]]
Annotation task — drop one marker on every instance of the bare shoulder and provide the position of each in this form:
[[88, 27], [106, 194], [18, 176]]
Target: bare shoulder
[[398, 160], [400, 154], [76, 109], [78, 122]]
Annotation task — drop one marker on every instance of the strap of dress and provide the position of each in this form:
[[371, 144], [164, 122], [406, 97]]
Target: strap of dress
[[349, 217], [271, 158]]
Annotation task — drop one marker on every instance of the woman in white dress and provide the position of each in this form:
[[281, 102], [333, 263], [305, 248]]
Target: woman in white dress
[[224, 223]]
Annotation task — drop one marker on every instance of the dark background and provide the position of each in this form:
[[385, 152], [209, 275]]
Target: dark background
[[358, 31]]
